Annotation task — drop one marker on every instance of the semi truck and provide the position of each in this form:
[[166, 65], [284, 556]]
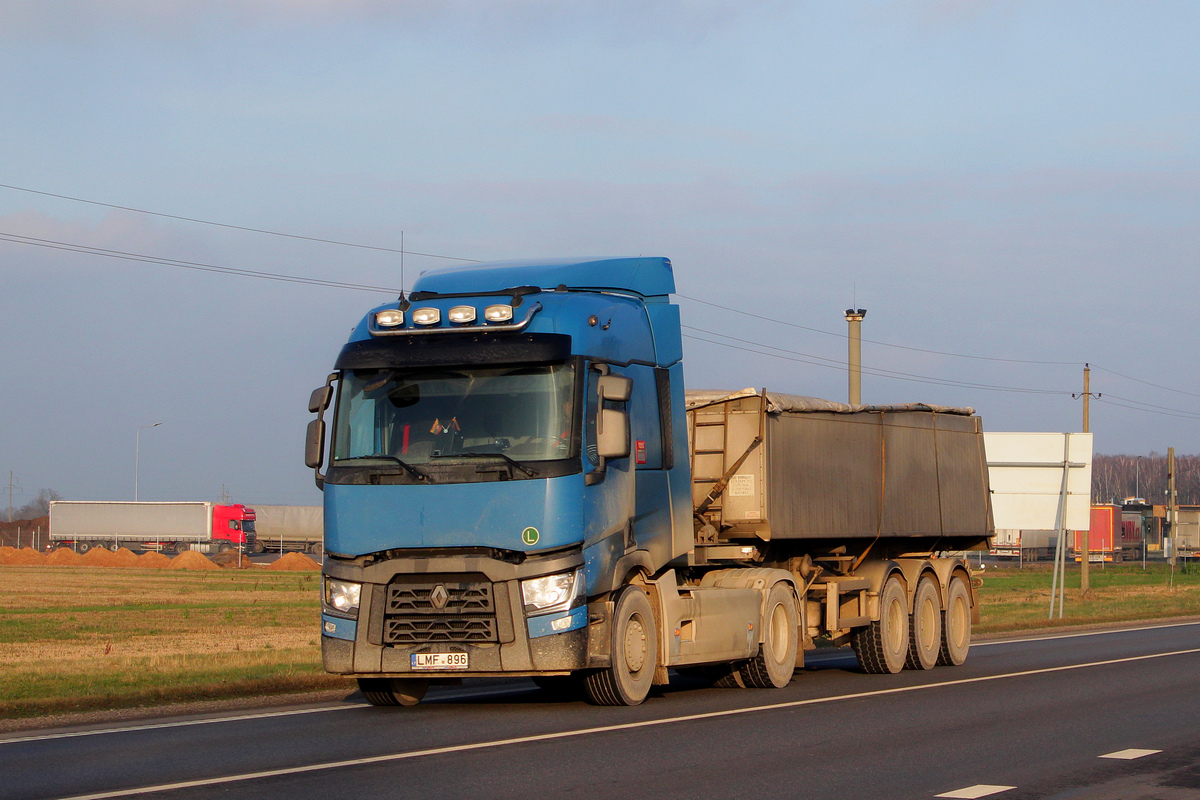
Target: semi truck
[[287, 528], [165, 526], [519, 485]]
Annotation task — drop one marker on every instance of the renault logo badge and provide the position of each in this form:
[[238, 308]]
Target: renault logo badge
[[439, 597]]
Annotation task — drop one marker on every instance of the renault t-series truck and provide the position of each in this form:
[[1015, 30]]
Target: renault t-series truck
[[518, 485]]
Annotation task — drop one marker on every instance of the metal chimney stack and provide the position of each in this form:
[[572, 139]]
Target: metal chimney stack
[[854, 316]]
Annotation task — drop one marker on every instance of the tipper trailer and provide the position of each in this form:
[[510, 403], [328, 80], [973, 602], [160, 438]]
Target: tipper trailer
[[167, 526], [519, 485]]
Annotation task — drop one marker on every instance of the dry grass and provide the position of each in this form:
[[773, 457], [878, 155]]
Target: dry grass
[[74, 638]]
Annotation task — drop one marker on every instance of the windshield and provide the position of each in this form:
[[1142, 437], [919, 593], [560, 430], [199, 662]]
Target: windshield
[[421, 415]]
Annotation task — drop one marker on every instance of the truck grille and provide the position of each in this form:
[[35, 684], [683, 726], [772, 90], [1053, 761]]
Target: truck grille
[[438, 612]]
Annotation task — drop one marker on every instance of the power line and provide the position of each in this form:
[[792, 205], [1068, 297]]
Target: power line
[[872, 341], [235, 227], [872, 371], [1146, 410], [192, 265], [1147, 383]]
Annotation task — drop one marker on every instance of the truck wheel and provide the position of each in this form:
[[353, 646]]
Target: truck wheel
[[258, 549], [224, 547], [925, 627], [181, 547], [772, 668], [634, 653], [393, 691], [882, 646], [82, 547], [114, 547], [956, 624]]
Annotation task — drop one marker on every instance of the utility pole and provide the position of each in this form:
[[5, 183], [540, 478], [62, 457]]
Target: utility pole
[[1085, 580], [1172, 509], [854, 316], [10, 488]]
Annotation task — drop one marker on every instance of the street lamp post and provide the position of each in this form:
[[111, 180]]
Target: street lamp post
[[137, 449]]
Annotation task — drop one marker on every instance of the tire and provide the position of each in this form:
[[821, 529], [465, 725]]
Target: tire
[[82, 547], [925, 627], [634, 653], [224, 547], [956, 624], [726, 676], [882, 646], [393, 691], [181, 547], [258, 548], [114, 547], [772, 668]]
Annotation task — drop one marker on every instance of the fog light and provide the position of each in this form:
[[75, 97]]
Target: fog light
[[561, 624], [462, 314], [498, 313], [427, 316], [389, 318], [330, 627]]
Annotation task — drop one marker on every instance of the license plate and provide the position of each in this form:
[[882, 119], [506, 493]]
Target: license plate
[[439, 661]]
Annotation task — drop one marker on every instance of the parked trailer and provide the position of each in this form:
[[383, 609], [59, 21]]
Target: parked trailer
[[518, 485], [167, 526], [283, 528]]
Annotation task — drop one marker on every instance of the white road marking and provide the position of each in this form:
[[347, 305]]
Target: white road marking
[[543, 737], [476, 693], [184, 723], [1130, 754], [978, 790], [1078, 634]]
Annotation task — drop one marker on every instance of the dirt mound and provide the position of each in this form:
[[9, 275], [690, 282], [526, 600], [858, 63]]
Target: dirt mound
[[190, 559], [230, 561], [153, 561], [26, 556], [64, 557], [99, 556], [294, 562]]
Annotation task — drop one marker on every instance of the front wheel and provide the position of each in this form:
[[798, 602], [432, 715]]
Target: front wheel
[[772, 668], [393, 691], [634, 653]]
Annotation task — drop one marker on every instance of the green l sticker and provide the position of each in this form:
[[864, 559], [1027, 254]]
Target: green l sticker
[[530, 536]]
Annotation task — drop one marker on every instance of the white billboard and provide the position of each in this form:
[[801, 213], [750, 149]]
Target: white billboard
[[1031, 475]]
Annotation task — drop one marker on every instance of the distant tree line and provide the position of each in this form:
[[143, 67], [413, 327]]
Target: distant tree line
[[37, 507], [1116, 477]]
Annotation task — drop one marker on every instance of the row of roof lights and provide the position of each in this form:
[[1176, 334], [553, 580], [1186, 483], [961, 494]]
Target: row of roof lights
[[394, 317]]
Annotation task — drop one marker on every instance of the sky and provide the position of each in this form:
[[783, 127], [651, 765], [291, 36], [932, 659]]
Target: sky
[[1011, 190]]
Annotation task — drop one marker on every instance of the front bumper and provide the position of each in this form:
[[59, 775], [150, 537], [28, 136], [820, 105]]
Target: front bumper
[[483, 618]]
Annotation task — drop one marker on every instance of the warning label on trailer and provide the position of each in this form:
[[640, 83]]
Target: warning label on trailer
[[741, 485]]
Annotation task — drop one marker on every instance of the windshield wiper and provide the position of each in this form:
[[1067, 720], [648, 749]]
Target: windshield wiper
[[409, 468], [517, 464]]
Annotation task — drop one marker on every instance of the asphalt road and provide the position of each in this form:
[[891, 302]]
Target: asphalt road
[[1031, 718]]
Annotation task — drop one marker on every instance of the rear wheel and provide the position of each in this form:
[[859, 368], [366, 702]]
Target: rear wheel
[[114, 547], [224, 547], [181, 547], [925, 627], [82, 547], [882, 646], [634, 653], [956, 624], [772, 668], [393, 691]]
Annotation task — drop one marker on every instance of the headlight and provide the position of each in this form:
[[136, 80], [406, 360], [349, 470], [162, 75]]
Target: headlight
[[553, 592], [342, 595]]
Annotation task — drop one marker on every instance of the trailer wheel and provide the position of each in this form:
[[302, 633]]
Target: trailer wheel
[[181, 547], [82, 547], [114, 547], [925, 627], [634, 654], [772, 668], [882, 646], [956, 624], [393, 691]]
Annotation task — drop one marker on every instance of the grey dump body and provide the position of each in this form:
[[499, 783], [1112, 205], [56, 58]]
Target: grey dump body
[[289, 527], [822, 471]]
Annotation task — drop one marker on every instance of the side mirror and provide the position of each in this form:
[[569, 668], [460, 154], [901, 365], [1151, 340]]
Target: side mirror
[[612, 433], [615, 388], [318, 401], [314, 446]]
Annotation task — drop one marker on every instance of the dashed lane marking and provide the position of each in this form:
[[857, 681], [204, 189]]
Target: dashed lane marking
[[978, 790], [1130, 754], [627, 726]]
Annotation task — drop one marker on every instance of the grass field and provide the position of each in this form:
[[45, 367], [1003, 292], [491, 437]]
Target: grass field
[[77, 639]]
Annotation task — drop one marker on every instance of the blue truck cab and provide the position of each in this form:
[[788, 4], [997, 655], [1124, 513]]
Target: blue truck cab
[[504, 456]]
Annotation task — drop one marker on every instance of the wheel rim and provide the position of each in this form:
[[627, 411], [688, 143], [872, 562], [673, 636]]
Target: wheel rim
[[928, 623], [778, 633], [895, 629], [635, 645], [958, 621]]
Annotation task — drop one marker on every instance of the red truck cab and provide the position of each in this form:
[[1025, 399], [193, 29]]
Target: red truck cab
[[234, 524]]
